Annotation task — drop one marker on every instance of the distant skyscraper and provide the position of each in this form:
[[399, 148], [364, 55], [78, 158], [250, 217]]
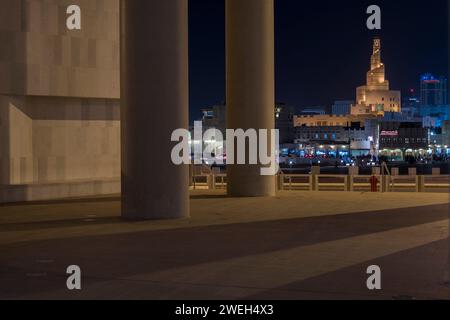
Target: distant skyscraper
[[284, 122], [411, 104], [433, 98], [215, 117], [375, 97], [433, 91]]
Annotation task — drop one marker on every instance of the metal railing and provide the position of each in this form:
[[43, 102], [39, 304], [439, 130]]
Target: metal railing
[[209, 182], [330, 182]]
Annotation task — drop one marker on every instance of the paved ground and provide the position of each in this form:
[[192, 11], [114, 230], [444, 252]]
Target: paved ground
[[302, 245]]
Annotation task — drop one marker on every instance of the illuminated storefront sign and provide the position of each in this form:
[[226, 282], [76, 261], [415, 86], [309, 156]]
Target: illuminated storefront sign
[[389, 133]]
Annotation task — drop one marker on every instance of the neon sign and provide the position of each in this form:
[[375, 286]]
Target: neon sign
[[393, 133]]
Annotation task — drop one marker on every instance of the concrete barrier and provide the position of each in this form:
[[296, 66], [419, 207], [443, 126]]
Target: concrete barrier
[[436, 171], [315, 172], [420, 184], [211, 182], [353, 171], [385, 183], [281, 181], [360, 183], [349, 183]]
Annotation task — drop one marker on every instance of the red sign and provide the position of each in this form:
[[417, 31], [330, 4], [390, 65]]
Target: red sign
[[389, 133]]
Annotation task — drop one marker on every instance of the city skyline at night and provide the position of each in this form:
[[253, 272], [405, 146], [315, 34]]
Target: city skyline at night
[[317, 48]]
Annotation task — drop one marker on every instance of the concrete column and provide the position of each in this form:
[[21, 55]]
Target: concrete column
[[154, 92], [385, 183], [281, 181], [349, 183], [315, 184], [211, 181], [250, 85], [353, 171], [311, 180], [420, 184], [315, 172]]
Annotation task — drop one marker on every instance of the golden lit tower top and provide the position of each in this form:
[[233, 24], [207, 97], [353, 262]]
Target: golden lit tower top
[[376, 55], [376, 75]]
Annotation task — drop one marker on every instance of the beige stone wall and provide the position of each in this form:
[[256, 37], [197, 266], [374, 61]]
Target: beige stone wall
[[4, 141], [59, 139], [59, 90], [20, 142], [325, 120], [391, 100], [40, 56], [75, 139], [369, 100]]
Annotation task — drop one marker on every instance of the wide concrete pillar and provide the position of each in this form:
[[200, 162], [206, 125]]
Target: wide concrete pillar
[[154, 93], [250, 85]]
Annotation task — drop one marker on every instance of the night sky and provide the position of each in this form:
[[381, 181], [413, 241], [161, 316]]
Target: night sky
[[323, 48]]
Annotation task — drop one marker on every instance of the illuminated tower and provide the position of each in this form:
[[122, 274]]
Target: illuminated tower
[[375, 98], [376, 75]]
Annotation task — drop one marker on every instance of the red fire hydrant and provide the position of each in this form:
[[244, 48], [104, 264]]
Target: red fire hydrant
[[374, 184]]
